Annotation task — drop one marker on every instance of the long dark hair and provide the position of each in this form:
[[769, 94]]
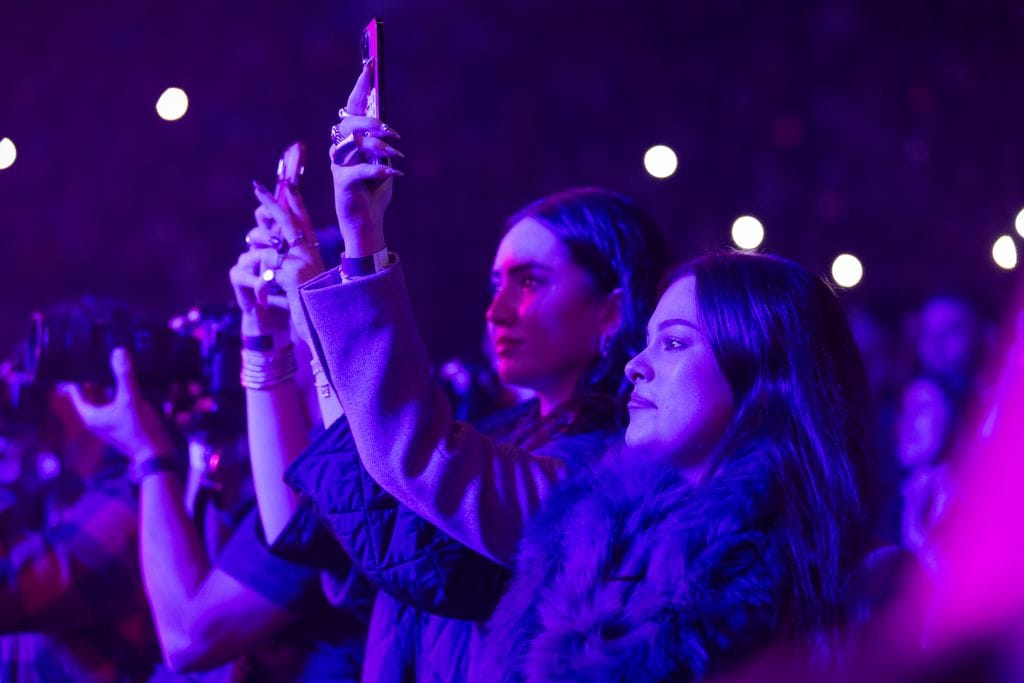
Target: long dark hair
[[799, 389], [619, 246]]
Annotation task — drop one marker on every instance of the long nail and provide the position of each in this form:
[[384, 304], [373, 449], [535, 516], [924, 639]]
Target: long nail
[[388, 131], [393, 171], [260, 188], [393, 152]]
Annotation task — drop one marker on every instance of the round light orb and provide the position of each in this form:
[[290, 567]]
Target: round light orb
[[660, 161], [1004, 253], [1018, 223], [172, 105], [8, 153], [747, 232], [847, 270]]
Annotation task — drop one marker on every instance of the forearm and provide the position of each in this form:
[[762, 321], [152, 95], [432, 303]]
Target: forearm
[[174, 562], [278, 432]]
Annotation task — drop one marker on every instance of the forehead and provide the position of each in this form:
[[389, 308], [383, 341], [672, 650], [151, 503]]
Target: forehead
[[530, 241], [678, 301]]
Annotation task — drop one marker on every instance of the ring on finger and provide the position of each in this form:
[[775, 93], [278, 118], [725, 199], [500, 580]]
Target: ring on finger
[[268, 275], [344, 113], [295, 242], [336, 135]]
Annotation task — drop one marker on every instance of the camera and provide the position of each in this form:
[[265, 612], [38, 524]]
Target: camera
[[70, 348]]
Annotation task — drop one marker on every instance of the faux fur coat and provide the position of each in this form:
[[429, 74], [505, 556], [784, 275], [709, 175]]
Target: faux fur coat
[[633, 575]]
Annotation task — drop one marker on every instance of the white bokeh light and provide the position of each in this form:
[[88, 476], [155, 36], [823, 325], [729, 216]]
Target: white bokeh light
[[172, 105], [847, 270], [660, 161], [1004, 253], [8, 153], [747, 232], [1019, 223]]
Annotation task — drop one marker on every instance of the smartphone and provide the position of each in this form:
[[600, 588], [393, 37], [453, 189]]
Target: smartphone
[[372, 47], [290, 167]]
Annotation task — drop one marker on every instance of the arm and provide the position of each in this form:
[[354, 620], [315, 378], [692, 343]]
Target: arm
[[444, 471], [203, 616], [277, 425]]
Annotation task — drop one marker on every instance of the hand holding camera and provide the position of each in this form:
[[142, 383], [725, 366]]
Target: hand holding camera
[[128, 422]]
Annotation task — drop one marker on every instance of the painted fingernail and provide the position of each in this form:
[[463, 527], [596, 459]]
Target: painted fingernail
[[385, 129], [394, 152], [260, 187], [394, 172]]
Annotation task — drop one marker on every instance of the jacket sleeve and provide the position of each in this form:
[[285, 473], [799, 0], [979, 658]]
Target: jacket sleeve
[[444, 471], [400, 552]]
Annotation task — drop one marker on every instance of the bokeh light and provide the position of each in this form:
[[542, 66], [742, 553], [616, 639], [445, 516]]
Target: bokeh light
[[660, 161], [747, 232], [1004, 252], [172, 105], [847, 270], [8, 153], [1019, 223]]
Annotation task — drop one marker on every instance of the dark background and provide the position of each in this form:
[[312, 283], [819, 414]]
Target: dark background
[[889, 129]]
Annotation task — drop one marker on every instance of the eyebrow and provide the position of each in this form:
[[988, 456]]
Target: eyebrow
[[672, 322], [522, 268]]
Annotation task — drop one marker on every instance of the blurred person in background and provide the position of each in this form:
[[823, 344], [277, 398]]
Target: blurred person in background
[[949, 341], [72, 605], [929, 415]]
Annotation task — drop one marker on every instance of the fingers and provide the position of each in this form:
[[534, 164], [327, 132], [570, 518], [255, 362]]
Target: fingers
[[261, 237], [354, 150], [345, 175], [125, 382], [356, 125], [361, 90], [282, 218]]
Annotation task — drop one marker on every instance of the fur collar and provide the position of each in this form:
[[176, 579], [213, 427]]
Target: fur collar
[[634, 574]]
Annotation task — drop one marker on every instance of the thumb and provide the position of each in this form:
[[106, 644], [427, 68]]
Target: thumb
[[126, 384]]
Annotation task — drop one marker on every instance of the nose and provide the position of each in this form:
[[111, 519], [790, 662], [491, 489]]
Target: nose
[[502, 310], [638, 369]]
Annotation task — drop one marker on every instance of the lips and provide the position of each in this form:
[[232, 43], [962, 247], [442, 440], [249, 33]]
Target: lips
[[638, 402], [506, 345]]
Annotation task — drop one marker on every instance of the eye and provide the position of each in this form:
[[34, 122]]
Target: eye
[[530, 282], [674, 343]]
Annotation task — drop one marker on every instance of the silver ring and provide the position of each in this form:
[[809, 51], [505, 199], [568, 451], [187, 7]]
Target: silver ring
[[344, 113], [336, 136], [301, 239], [268, 275]]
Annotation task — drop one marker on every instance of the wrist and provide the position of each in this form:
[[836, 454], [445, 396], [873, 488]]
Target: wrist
[[357, 246], [253, 326]]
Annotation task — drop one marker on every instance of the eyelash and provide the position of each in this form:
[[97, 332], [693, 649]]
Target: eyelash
[[527, 282]]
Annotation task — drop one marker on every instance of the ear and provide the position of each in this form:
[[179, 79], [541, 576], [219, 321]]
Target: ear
[[611, 321]]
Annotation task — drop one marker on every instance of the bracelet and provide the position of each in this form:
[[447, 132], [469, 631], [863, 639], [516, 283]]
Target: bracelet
[[266, 369], [259, 342], [320, 380], [362, 266], [154, 465]]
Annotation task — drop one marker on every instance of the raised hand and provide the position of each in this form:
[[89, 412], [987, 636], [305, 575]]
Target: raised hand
[[362, 189], [128, 423]]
